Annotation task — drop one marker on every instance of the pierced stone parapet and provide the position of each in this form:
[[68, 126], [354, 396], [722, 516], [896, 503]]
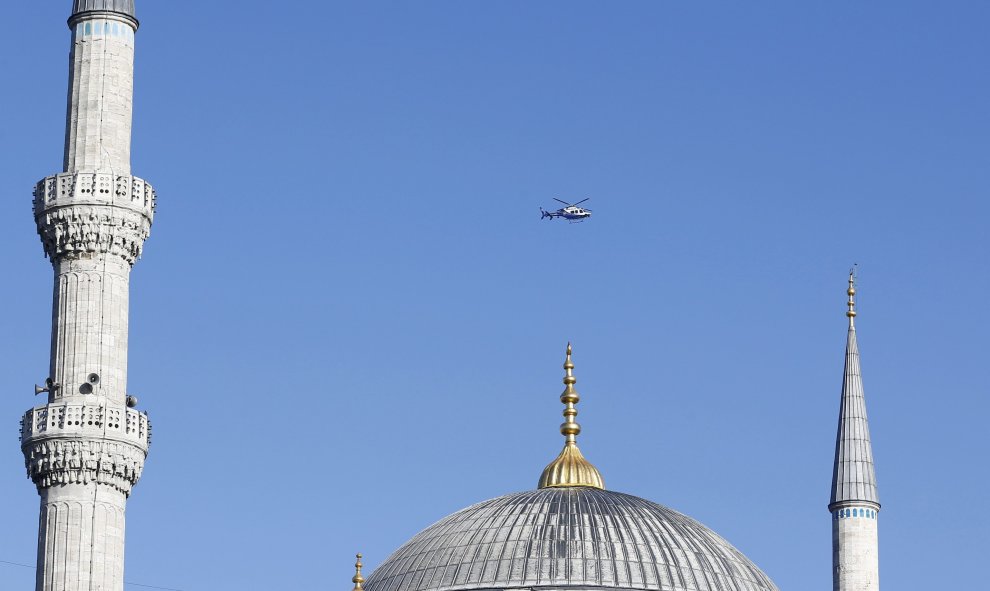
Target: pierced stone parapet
[[83, 443], [82, 214], [87, 188], [88, 420]]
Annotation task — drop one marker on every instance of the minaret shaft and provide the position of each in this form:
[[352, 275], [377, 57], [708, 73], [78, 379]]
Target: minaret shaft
[[81, 544], [855, 550], [85, 449], [89, 328], [101, 90]]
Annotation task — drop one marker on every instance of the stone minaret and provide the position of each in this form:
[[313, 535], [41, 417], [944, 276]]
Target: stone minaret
[[86, 447], [854, 505]]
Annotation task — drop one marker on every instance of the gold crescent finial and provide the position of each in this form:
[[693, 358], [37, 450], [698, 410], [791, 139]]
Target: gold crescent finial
[[570, 468], [358, 580], [851, 312]]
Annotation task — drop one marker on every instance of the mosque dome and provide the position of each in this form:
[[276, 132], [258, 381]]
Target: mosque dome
[[568, 537], [569, 533]]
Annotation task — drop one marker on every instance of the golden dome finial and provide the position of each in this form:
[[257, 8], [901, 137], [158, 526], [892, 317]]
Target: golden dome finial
[[358, 580], [851, 313], [570, 468], [570, 429]]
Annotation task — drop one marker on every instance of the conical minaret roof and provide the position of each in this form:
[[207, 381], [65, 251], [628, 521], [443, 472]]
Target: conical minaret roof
[[853, 478], [123, 6], [82, 8]]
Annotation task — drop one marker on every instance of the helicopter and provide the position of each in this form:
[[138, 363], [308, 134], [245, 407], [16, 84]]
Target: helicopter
[[570, 212]]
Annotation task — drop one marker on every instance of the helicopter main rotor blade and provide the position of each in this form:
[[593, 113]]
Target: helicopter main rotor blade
[[562, 201], [581, 201]]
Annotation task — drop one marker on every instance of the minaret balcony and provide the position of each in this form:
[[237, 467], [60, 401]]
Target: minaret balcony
[[89, 188], [83, 214], [92, 420], [99, 443]]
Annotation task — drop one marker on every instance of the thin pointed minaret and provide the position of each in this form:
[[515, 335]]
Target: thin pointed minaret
[[854, 505], [86, 445]]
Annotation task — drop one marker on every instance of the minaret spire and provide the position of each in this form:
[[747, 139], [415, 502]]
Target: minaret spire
[[853, 478], [570, 468], [854, 503], [85, 447]]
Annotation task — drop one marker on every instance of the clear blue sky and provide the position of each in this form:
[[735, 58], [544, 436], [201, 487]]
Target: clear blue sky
[[349, 320]]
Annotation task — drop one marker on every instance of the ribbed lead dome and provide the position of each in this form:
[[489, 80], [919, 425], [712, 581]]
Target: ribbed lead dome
[[575, 537]]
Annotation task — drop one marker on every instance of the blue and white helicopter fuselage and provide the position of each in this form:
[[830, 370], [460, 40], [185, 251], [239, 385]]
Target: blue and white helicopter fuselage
[[571, 212]]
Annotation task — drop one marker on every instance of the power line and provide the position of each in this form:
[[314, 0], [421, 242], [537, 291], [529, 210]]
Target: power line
[[16, 564], [151, 586], [125, 582]]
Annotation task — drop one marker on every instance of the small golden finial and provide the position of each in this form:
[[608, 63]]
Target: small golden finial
[[570, 468], [358, 580], [570, 428], [851, 313]]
